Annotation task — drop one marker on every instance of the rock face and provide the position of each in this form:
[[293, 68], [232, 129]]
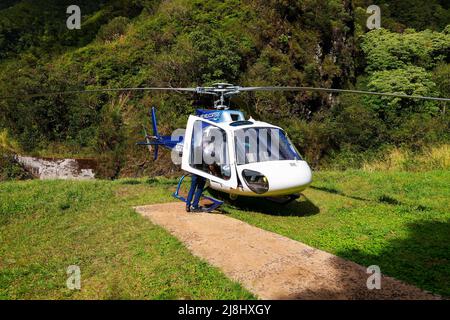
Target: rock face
[[50, 168]]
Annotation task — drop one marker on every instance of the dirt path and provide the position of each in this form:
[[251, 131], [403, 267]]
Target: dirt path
[[269, 265]]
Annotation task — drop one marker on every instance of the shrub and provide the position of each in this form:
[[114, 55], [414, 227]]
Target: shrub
[[409, 81], [441, 76], [114, 29], [397, 159], [111, 139], [10, 169], [385, 50]]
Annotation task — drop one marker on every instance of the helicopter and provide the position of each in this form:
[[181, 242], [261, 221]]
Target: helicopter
[[249, 158], [243, 164], [237, 156]]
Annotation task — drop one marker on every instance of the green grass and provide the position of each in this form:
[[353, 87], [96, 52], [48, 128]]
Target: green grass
[[45, 226], [399, 221]]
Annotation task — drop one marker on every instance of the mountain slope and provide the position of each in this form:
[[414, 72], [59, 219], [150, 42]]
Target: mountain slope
[[190, 43]]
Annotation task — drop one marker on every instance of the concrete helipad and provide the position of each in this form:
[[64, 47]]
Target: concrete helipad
[[269, 265]]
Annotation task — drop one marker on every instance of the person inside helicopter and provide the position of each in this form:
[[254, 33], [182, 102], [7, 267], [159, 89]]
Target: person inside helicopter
[[206, 148], [214, 161], [215, 149]]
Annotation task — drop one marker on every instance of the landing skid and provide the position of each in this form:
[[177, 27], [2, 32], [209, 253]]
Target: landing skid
[[215, 203]]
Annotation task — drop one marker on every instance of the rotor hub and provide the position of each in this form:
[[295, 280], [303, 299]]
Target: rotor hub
[[223, 90]]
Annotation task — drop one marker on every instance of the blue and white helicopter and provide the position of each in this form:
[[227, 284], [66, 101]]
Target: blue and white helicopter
[[250, 158], [243, 163]]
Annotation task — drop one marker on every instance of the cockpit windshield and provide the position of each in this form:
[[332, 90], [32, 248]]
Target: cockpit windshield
[[263, 144]]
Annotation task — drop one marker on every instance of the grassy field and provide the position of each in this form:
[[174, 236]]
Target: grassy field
[[397, 220], [45, 226]]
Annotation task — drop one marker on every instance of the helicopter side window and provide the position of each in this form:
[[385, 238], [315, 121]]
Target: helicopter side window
[[209, 152]]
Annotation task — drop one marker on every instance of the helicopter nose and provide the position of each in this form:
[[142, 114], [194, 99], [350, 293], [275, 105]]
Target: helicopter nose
[[281, 177], [287, 175]]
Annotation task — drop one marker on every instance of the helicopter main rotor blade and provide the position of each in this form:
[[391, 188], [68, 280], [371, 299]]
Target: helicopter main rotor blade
[[387, 94], [224, 90], [46, 94]]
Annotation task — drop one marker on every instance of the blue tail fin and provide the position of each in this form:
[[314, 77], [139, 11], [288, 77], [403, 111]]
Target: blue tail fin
[[155, 131], [154, 123], [153, 142]]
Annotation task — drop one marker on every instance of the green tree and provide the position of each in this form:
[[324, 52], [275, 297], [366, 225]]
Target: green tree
[[409, 81], [386, 50]]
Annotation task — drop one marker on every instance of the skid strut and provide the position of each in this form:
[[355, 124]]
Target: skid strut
[[215, 203]]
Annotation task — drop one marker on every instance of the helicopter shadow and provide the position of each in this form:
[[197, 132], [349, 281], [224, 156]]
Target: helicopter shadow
[[302, 207], [382, 199]]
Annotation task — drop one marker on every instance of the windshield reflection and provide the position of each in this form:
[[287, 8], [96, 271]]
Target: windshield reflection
[[263, 144]]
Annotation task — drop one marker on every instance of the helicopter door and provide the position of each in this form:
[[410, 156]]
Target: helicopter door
[[208, 152]]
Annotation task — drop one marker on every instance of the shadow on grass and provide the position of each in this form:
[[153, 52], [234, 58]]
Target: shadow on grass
[[130, 182], [340, 193], [385, 199], [302, 207], [421, 259]]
